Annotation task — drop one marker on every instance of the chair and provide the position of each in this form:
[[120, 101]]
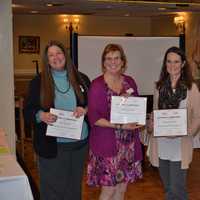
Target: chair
[[19, 102], [22, 140]]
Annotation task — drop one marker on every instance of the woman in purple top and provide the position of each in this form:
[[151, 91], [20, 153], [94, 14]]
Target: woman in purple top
[[115, 149]]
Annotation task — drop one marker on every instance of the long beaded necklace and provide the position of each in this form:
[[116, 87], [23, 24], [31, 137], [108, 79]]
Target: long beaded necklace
[[62, 91]]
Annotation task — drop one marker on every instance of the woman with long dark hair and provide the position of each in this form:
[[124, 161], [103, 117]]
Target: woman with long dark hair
[[175, 89], [61, 160]]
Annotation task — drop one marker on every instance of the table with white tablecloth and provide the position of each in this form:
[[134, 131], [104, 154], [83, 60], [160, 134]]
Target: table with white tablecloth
[[14, 184]]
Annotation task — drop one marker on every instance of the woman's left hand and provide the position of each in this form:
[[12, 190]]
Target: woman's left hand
[[125, 95], [79, 111]]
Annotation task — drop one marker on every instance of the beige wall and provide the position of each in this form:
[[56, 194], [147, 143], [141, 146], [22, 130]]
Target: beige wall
[[51, 27], [7, 121], [163, 26], [115, 26], [46, 26], [193, 40]]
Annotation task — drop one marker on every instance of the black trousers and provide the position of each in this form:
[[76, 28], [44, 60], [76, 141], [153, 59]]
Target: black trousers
[[174, 179], [61, 177]]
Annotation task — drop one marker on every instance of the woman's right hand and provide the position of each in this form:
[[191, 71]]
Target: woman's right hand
[[47, 117]]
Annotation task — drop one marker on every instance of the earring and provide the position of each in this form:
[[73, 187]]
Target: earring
[[183, 64]]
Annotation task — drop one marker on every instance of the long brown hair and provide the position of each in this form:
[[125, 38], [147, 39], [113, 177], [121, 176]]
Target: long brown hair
[[47, 84], [186, 75]]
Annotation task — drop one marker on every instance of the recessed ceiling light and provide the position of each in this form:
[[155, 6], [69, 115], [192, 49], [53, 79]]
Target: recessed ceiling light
[[49, 4], [162, 8], [33, 11], [14, 5], [54, 4], [127, 14], [17, 6]]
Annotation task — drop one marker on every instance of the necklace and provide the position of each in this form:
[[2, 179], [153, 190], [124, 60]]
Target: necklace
[[61, 91]]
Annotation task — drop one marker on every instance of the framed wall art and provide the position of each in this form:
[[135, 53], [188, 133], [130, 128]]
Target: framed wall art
[[29, 44]]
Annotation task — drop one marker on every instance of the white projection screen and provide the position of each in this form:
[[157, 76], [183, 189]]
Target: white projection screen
[[144, 56]]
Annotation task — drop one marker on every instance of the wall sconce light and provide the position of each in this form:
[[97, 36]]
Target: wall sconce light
[[180, 24], [72, 22]]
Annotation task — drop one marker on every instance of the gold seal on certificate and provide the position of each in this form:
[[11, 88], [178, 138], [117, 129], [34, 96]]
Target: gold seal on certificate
[[128, 110], [66, 125], [172, 122]]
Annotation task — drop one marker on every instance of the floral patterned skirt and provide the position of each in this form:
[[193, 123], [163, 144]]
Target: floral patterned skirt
[[110, 171]]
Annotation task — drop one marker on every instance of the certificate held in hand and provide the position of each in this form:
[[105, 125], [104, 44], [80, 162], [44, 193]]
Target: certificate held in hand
[[128, 110], [172, 122], [66, 125]]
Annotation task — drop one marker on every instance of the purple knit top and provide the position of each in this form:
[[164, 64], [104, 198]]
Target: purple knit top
[[102, 139]]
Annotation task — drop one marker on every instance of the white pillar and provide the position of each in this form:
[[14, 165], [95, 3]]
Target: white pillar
[[7, 118]]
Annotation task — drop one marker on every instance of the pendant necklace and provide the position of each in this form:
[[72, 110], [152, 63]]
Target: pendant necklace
[[62, 91]]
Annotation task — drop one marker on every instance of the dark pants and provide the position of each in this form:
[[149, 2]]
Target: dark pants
[[174, 180], [61, 177]]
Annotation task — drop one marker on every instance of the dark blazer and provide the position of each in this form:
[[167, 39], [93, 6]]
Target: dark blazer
[[46, 146]]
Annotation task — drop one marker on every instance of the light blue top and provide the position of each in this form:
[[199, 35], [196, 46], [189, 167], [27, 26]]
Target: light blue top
[[65, 101]]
